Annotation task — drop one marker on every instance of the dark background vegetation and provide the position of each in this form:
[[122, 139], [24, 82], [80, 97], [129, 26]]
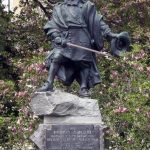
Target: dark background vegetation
[[124, 95]]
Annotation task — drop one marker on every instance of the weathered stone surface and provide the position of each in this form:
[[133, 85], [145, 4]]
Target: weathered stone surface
[[63, 111], [38, 137], [73, 120], [60, 103]]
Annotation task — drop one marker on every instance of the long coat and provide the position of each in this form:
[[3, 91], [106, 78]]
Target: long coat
[[79, 24]]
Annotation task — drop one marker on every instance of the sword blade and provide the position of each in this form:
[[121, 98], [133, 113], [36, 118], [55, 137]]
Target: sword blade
[[89, 49]]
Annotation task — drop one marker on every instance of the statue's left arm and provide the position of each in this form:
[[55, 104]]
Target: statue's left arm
[[99, 30], [106, 31], [97, 27], [119, 43]]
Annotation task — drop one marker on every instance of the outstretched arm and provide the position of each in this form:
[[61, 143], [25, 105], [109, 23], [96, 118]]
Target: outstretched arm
[[106, 31]]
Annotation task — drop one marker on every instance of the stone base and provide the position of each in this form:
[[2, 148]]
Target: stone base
[[69, 137], [70, 122]]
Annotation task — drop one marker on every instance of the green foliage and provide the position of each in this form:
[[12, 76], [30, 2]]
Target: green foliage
[[125, 90], [123, 95], [3, 22], [1, 121]]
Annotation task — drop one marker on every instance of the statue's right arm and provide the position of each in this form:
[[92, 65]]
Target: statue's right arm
[[51, 28]]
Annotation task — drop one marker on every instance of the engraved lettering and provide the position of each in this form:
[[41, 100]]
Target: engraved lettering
[[72, 137]]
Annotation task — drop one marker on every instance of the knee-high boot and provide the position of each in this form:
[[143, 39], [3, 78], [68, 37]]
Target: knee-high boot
[[48, 85], [84, 75]]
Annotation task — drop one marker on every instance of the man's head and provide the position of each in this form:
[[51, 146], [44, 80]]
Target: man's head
[[72, 2]]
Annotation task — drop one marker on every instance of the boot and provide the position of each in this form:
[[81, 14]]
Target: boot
[[84, 92], [46, 87]]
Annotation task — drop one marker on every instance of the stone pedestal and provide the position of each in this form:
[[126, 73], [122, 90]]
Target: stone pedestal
[[70, 122]]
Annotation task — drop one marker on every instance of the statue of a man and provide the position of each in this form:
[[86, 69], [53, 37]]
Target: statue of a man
[[77, 22]]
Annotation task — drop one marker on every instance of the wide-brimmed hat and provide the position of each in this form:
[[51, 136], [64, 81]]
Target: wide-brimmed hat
[[120, 44]]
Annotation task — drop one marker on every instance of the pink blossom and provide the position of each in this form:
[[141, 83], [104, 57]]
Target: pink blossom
[[31, 127], [135, 65], [30, 68], [121, 110], [38, 67], [148, 70], [140, 55], [25, 111], [140, 68], [21, 94], [113, 84], [114, 74], [32, 80], [20, 81], [14, 129], [130, 141], [148, 126], [44, 71]]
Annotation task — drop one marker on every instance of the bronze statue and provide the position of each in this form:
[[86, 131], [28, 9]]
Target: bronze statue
[[77, 22]]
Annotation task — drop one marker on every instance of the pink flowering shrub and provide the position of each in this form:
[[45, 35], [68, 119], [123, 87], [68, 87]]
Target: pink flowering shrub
[[120, 110]]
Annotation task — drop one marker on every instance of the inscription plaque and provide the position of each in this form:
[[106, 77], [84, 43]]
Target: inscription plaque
[[73, 137]]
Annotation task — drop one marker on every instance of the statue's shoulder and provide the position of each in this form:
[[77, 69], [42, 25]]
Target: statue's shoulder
[[88, 3], [58, 4]]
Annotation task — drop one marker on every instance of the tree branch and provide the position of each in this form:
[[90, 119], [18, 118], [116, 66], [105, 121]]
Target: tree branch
[[43, 8]]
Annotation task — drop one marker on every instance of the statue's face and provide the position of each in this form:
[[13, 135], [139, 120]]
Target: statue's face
[[72, 1]]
